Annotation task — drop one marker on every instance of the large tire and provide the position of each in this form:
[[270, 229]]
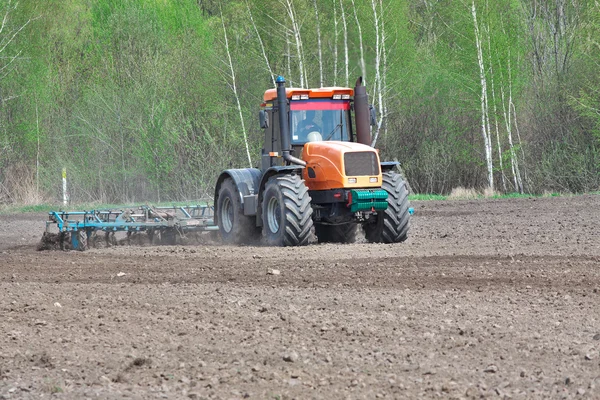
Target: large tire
[[234, 226], [286, 211], [391, 225], [344, 233]]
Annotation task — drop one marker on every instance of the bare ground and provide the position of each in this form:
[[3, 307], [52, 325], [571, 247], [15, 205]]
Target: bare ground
[[487, 299]]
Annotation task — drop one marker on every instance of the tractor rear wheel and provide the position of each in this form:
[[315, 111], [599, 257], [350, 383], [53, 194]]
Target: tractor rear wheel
[[344, 233], [234, 226], [286, 211], [391, 225]]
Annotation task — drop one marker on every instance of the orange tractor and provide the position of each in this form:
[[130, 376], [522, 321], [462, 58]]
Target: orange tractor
[[318, 171]]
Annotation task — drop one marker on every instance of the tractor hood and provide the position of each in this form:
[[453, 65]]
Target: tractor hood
[[335, 165]]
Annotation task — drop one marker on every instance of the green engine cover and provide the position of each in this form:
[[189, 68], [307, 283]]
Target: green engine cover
[[368, 199]]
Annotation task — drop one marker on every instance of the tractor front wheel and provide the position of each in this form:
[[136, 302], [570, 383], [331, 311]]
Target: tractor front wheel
[[286, 211], [391, 225]]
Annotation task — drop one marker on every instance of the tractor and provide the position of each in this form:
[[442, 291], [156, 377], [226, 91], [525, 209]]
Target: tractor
[[319, 174]]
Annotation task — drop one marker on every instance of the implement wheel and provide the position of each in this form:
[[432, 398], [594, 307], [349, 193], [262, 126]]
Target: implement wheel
[[286, 211], [344, 233], [234, 226], [391, 225]]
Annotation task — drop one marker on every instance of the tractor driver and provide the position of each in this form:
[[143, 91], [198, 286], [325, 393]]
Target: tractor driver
[[308, 125]]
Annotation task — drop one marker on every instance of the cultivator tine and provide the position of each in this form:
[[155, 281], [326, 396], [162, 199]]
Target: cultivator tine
[[170, 223], [62, 240]]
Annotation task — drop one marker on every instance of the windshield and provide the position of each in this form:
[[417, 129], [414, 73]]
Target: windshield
[[316, 120]]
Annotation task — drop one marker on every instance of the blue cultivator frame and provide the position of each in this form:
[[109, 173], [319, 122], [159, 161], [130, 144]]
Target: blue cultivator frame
[[168, 222]]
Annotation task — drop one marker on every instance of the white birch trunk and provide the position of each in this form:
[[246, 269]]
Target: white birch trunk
[[319, 44], [235, 92], [495, 109], [363, 67], [378, 83], [518, 171], [514, 162], [485, 127], [512, 148], [289, 5], [513, 158], [262, 45], [508, 125], [345, 38], [335, 43], [384, 109], [288, 50]]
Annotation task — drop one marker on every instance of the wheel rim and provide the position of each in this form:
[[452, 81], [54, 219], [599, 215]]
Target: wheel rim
[[227, 215], [273, 214]]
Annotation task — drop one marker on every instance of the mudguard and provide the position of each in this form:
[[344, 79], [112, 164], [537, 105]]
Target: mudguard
[[389, 165], [286, 169], [246, 180]]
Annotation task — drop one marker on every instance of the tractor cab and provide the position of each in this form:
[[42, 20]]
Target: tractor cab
[[314, 115], [319, 120]]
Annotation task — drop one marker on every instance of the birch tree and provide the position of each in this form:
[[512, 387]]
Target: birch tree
[[232, 84], [320, 51], [335, 43], [485, 123], [295, 32], [495, 111], [345, 26], [363, 67], [262, 45], [384, 72], [379, 65], [288, 56], [510, 114]]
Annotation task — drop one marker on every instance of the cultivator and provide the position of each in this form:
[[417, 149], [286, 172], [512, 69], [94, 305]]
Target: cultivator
[[145, 224]]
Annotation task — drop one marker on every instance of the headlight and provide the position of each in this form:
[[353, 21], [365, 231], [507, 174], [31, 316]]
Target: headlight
[[373, 179], [351, 180]]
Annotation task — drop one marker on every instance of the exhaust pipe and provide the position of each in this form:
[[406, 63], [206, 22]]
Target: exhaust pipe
[[284, 127], [361, 113]]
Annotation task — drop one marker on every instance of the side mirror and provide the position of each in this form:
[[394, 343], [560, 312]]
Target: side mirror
[[372, 115], [264, 119]]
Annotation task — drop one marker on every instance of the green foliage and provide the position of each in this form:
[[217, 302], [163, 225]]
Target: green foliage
[[135, 97]]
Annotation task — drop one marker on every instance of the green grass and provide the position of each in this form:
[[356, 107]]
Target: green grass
[[422, 197], [13, 209], [525, 195], [427, 197]]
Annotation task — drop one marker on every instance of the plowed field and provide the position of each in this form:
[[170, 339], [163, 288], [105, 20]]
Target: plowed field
[[487, 298]]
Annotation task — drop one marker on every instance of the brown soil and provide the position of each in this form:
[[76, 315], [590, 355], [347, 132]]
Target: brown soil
[[495, 298]]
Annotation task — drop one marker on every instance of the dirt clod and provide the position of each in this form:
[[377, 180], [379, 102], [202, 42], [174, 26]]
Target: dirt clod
[[50, 241], [138, 362], [291, 356], [491, 369]]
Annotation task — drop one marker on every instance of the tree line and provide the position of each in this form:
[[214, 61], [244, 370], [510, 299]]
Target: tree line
[[149, 101]]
